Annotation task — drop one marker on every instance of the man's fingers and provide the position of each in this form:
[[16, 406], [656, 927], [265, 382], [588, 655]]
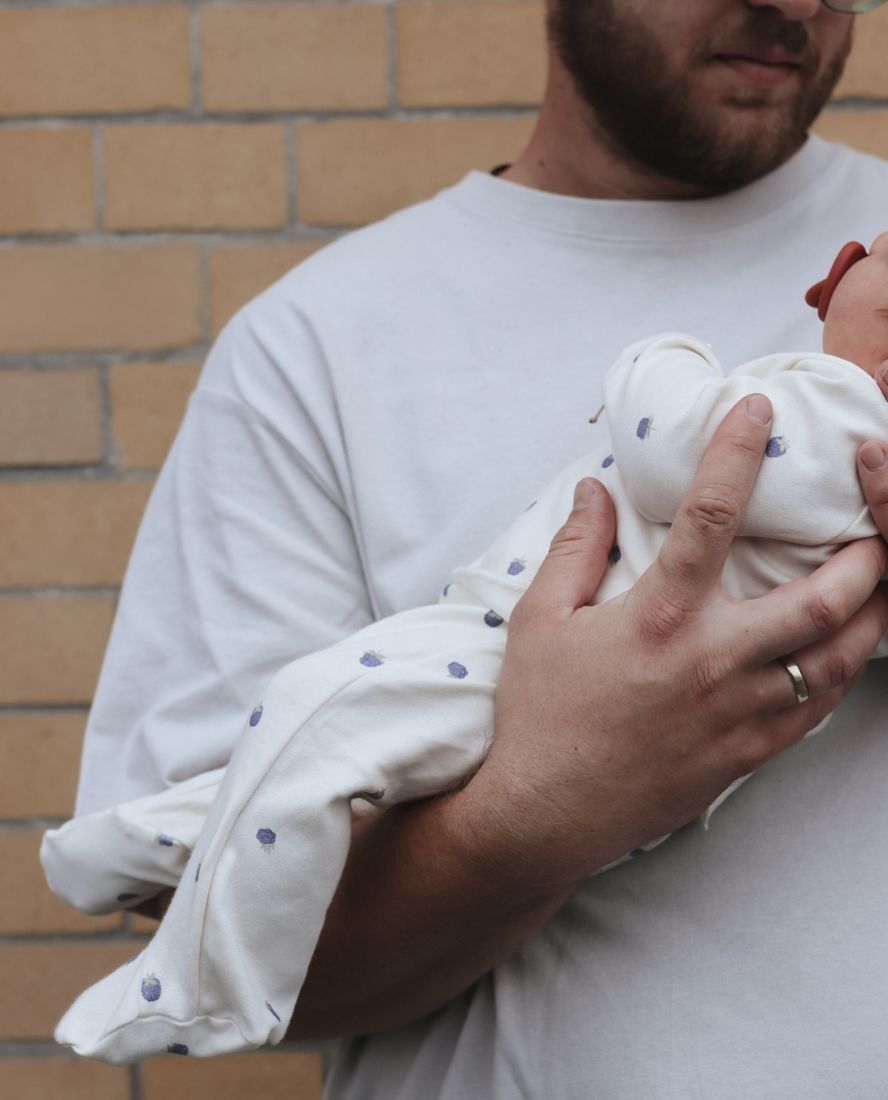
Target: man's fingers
[[872, 469], [800, 613], [572, 570], [697, 545], [833, 662]]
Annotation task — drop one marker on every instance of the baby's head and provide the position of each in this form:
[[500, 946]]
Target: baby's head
[[852, 302]]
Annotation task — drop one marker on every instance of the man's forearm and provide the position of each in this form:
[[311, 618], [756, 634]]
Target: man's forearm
[[422, 911]]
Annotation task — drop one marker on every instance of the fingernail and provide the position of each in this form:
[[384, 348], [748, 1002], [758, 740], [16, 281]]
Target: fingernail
[[583, 493], [758, 408], [872, 455]]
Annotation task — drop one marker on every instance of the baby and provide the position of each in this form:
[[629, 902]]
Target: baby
[[404, 708]]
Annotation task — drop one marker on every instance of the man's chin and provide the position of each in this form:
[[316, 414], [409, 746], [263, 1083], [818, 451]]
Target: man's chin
[[743, 148]]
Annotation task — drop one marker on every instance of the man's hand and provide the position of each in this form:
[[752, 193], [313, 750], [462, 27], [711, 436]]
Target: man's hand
[[615, 724], [622, 722]]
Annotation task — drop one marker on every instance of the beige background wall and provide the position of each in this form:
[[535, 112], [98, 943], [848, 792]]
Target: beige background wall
[[159, 164]]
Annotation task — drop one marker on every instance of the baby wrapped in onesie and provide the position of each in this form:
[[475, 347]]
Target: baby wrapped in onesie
[[404, 708]]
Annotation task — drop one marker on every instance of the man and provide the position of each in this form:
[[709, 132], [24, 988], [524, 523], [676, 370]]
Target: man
[[380, 415]]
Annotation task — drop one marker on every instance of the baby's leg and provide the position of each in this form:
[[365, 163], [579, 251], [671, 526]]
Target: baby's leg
[[402, 710], [124, 855]]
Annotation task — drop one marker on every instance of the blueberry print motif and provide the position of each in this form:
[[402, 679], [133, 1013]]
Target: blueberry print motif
[[614, 556], [644, 427], [165, 841], [492, 619], [531, 505], [609, 461], [445, 590], [776, 446], [516, 566], [266, 838], [177, 1048], [197, 872], [256, 716], [457, 671], [371, 659], [150, 988], [272, 1011]]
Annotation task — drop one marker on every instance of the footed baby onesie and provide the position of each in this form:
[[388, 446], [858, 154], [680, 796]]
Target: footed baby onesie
[[404, 708]]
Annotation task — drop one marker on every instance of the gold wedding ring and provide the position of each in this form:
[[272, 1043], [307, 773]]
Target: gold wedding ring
[[798, 681]]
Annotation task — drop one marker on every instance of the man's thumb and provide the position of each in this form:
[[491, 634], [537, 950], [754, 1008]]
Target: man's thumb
[[572, 570]]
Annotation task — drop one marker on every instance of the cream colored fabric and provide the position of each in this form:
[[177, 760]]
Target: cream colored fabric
[[404, 708]]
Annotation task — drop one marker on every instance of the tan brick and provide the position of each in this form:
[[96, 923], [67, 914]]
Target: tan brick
[[278, 57], [51, 648], [26, 902], [41, 980], [866, 73], [499, 3], [50, 417], [94, 60], [68, 533], [68, 297], [195, 177], [62, 1079], [470, 54], [147, 402], [39, 760], [352, 172], [46, 180], [276, 1076], [864, 130], [239, 272]]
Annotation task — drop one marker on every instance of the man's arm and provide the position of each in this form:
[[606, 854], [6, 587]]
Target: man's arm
[[581, 770]]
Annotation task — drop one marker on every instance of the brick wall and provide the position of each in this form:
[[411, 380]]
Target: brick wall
[[159, 164]]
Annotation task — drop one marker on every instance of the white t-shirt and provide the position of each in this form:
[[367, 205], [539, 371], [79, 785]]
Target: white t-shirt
[[379, 415]]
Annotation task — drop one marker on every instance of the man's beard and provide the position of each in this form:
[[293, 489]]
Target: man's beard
[[648, 114]]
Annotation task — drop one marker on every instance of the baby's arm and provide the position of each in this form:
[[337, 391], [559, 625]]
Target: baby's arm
[[665, 397]]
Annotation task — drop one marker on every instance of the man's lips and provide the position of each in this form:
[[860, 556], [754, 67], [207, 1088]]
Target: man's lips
[[765, 71]]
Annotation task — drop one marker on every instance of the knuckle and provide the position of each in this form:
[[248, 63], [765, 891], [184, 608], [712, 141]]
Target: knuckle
[[747, 445], [760, 697], [822, 612], [570, 538], [661, 619], [707, 677], [713, 509], [840, 669]]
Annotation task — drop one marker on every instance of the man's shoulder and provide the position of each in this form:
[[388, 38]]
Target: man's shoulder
[[378, 260], [863, 167]]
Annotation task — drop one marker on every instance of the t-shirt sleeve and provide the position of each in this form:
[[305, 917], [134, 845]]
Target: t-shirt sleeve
[[666, 397], [246, 558]]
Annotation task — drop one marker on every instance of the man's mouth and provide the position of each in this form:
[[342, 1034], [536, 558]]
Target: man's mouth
[[764, 70]]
